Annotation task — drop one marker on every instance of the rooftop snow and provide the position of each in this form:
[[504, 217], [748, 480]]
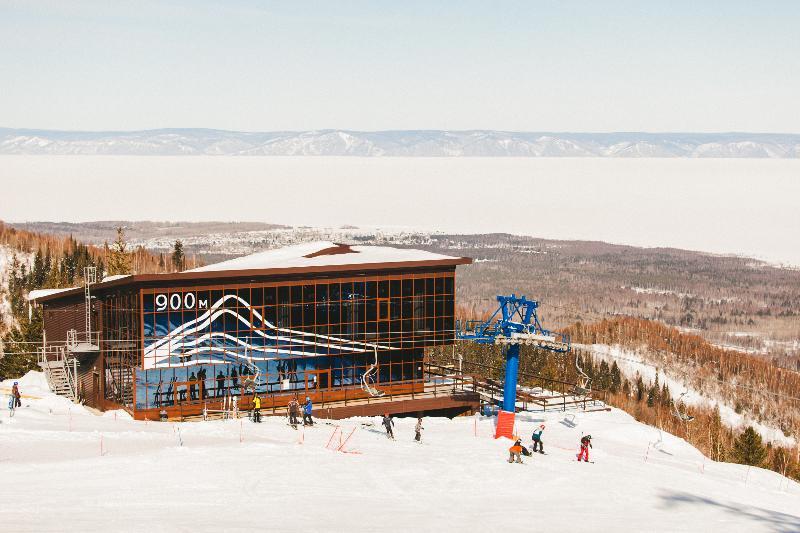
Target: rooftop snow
[[323, 253], [41, 293], [115, 276]]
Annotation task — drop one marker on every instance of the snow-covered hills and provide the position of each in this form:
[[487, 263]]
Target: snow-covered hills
[[424, 143], [68, 469]]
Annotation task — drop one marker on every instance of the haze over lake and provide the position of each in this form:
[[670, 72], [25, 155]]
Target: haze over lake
[[737, 206]]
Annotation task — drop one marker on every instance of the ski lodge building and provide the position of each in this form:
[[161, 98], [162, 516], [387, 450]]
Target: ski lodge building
[[345, 325]]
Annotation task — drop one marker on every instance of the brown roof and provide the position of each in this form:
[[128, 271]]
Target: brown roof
[[255, 273]]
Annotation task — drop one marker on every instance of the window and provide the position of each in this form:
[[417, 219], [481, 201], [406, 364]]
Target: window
[[383, 309]]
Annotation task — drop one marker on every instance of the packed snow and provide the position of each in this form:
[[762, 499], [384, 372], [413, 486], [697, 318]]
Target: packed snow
[[66, 468]]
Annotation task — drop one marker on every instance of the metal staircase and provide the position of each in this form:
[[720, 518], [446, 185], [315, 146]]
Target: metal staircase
[[60, 370]]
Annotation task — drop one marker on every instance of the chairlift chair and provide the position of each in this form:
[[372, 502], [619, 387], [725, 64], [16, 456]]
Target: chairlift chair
[[369, 377], [582, 388], [684, 416]]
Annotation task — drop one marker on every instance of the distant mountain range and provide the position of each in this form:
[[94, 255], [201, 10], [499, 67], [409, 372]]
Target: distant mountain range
[[422, 143]]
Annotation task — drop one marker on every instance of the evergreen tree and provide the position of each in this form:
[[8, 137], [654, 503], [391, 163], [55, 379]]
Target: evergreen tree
[[178, 257], [640, 389], [616, 377], [652, 395], [748, 448], [119, 258], [19, 345]]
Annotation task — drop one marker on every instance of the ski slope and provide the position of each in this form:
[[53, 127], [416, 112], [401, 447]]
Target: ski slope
[[235, 475]]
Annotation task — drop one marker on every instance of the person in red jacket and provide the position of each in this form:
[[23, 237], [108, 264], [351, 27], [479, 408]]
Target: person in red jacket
[[586, 443]]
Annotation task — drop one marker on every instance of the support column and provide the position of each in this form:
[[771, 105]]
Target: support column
[[510, 382]]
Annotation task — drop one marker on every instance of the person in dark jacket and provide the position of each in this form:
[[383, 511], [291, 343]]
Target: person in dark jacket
[[16, 394], [586, 443], [538, 445], [234, 378], [220, 384], [192, 386], [307, 408], [388, 423], [294, 412]]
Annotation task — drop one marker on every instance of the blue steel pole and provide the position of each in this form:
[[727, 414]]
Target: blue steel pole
[[510, 388]]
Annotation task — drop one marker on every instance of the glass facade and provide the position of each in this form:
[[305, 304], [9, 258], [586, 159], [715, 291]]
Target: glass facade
[[205, 342]]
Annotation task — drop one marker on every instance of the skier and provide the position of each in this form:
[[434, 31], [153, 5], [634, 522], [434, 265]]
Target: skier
[[307, 420], [538, 445], [586, 443], [16, 394], [515, 452], [418, 430], [294, 411], [256, 409], [388, 423]]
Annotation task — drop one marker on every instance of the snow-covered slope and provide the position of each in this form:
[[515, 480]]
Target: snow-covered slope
[[428, 143], [630, 363], [237, 476]]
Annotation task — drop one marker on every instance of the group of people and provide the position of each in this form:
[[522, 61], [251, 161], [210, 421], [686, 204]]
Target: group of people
[[388, 423], [517, 450], [293, 410]]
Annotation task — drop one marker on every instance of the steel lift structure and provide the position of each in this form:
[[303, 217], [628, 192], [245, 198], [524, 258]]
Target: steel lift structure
[[514, 323]]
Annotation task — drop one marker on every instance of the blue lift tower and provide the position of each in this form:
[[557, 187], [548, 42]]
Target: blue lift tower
[[514, 323]]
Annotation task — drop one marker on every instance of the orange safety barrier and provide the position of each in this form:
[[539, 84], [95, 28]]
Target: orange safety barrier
[[505, 425]]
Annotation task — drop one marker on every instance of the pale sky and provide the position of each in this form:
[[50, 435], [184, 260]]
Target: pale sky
[[372, 65]]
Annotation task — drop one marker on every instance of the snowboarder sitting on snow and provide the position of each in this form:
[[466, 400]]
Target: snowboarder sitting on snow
[[388, 423], [294, 411], [586, 443], [538, 445], [418, 429], [256, 409], [515, 452], [307, 420]]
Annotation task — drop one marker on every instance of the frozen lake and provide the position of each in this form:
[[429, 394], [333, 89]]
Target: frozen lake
[[739, 206]]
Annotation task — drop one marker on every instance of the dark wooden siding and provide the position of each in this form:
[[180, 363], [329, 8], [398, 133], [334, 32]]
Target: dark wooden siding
[[60, 318]]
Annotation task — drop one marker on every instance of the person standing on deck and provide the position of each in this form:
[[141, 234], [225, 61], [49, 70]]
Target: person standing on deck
[[220, 384], [388, 423], [192, 386], [307, 420]]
